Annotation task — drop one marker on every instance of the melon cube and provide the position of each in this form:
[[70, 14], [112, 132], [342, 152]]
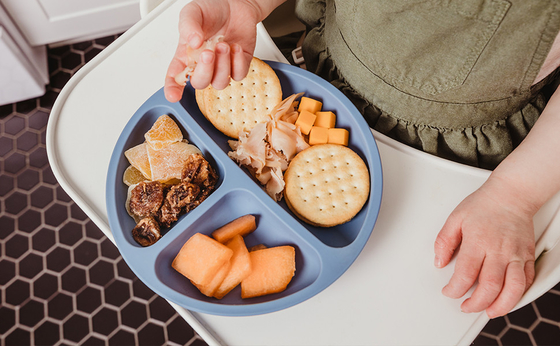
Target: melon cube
[[272, 271], [210, 289], [200, 259], [240, 266], [243, 225], [163, 132]]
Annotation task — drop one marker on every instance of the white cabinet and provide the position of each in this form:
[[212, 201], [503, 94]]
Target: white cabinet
[[23, 69], [50, 21]]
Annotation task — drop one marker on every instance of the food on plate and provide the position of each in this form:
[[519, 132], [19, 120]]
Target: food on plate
[[318, 135], [338, 136], [147, 231], [146, 198], [272, 271], [325, 119], [164, 132], [242, 104], [239, 269], [266, 150], [241, 226], [192, 58], [133, 176], [305, 121], [310, 105], [137, 156], [202, 260], [167, 177], [326, 185]]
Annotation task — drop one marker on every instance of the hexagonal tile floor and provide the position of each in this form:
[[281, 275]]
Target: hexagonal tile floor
[[63, 282]]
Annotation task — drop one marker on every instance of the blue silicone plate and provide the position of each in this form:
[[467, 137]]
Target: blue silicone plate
[[322, 254]]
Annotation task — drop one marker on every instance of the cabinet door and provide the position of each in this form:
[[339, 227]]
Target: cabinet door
[[49, 21]]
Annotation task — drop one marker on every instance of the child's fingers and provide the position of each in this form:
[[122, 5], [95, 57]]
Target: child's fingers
[[172, 90], [513, 290], [447, 242], [204, 71], [240, 62], [190, 26], [467, 268], [490, 284], [222, 66]]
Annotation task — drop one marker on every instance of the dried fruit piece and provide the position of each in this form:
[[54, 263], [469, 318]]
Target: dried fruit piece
[[138, 157], [163, 132], [167, 163], [182, 194], [168, 214], [146, 198], [146, 231], [133, 176]]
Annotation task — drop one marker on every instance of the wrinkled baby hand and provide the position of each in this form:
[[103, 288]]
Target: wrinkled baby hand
[[492, 230]]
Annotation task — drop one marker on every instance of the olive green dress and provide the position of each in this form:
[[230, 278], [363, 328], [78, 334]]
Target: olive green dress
[[453, 78]]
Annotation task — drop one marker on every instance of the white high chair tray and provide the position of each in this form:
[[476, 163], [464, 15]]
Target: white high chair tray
[[389, 296]]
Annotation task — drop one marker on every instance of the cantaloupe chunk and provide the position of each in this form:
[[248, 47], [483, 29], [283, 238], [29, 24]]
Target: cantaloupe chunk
[[257, 247], [240, 266], [137, 156], [242, 225], [272, 271], [163, 132], [210, 289], [200, 258], [168, 163]]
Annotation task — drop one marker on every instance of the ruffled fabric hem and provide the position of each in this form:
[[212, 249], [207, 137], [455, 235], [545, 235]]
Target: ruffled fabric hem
[[484, 146]]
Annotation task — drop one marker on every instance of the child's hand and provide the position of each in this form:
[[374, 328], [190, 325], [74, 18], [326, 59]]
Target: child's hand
[[492, 229], [202, 20]]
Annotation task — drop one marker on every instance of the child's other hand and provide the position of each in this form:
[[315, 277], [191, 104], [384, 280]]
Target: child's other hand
[[492, 229], [203, 20]]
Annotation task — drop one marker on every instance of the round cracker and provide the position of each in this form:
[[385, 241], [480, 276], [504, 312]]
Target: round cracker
[[242, 104], [326, 185]]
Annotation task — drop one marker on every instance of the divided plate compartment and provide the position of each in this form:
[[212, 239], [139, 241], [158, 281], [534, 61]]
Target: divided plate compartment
[[322, 254]]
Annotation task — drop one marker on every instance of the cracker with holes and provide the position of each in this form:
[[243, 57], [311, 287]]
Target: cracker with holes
[[326, 185], [242, 104]]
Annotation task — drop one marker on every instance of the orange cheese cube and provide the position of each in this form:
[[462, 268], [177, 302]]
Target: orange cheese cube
[[318, 135], [310, 105], [305, 121], [325, 119], [338, 136]]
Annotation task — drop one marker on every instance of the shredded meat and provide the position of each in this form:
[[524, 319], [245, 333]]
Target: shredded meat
[[146, 231], [146, 198]]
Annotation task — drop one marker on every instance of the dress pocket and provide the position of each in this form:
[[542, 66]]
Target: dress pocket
[[419, 47]]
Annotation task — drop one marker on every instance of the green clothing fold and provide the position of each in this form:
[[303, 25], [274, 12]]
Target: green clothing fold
[[453, 78]]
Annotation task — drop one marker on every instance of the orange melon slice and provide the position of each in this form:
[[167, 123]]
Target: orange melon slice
[[163, 132], [273, 269], [210, 289], [168, 163], [200, 259], [240, 267], [243, 225]]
